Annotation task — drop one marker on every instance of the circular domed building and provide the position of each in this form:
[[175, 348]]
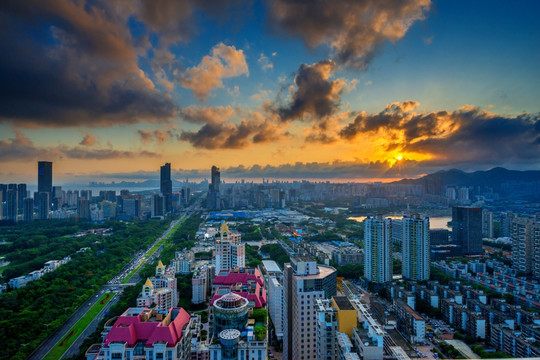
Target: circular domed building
[[230, 312]]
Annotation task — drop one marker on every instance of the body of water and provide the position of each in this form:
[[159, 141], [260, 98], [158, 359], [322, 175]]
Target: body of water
[[436, 222]]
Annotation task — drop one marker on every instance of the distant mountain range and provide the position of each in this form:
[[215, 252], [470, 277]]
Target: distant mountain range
[[502, 180]]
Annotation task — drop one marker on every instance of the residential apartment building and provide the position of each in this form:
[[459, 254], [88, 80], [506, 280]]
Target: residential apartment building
[[378, 249], [415, 248]]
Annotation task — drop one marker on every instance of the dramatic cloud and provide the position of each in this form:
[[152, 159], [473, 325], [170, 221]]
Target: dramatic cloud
[[315, 94], [353, 29], [158, 135], [66, 63], [224, 62], [468, 135], [219, 133], [22, 148], [88, 140], [207, 114]]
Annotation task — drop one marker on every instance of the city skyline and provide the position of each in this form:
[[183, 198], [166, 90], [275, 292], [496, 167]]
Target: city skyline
[[252, 86]]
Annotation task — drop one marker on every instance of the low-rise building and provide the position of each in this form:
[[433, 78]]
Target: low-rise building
[[141, 333]]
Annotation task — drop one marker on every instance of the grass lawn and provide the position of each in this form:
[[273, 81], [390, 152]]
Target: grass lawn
[[154, 248], [61, 347]]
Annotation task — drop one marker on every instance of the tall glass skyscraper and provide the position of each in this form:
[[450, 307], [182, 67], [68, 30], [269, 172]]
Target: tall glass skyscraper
[[45, 177], [166, 186]]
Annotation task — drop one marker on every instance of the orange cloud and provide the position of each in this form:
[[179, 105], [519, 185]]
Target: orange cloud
[[224, 62]]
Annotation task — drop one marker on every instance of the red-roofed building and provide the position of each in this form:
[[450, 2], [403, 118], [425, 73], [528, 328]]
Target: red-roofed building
[[246, 282], [142, 333]]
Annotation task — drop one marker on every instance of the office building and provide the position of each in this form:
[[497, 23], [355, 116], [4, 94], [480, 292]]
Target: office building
[[304, 282], [43, 207], [467, 229], [45, 177], [142, 333], [109, 209], [21, 195], [2, 197], [228, 252], [11, 203], [213, 199], [415, 263], [28, 209], [83, 209], [131, 205], [165, 187], [158, 205], [378, 249]]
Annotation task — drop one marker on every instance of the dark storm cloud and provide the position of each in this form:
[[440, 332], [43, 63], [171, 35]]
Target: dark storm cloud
[[22, 148], [354, 30], [466, 136], [315, 94], [66, 63], [231, 135]]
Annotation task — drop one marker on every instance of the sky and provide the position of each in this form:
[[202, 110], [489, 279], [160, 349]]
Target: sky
[[358, 90]]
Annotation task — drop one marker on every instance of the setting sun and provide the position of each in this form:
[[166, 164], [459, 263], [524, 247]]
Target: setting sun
[[399, 157]]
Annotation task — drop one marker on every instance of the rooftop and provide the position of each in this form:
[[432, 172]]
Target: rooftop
[[271, 266], [342, 303]]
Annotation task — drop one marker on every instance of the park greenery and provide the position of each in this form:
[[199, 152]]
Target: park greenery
[[249, 232], [27, 246], [33, 313], [479, 350], [253, 258], [276, 253]]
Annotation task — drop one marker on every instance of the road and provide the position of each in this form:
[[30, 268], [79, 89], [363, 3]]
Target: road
[[74, 348], [48, 344]]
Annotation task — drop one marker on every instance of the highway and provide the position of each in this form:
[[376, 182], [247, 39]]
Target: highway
[[112, 285]]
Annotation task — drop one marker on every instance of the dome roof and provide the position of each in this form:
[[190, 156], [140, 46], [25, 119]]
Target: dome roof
[[231, 301]]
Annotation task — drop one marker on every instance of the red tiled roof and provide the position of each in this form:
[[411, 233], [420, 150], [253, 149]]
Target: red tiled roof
[[130, 329], [234, 278]]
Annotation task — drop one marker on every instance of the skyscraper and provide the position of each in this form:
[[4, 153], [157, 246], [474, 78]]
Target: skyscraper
[[415, 248], [213, 199], [43, 205], [45, 177], [28, 209], [21, 195], [467, 229], [304, 282], [157, 205], [378, 249], [11, 203], [216, 179], [166, 186]]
